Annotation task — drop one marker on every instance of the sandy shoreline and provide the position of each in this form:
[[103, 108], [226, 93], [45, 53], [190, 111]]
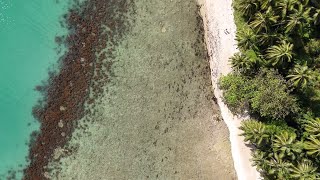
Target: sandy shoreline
[[220, 31]]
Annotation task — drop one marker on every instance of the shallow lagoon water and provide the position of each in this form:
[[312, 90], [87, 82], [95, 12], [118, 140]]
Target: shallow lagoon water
[[156, 118], [27, 51]]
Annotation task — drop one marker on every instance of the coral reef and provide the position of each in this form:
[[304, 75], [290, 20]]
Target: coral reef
[[94, 27]]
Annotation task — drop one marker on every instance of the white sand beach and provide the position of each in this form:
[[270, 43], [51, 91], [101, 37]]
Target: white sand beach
[[220, 37]]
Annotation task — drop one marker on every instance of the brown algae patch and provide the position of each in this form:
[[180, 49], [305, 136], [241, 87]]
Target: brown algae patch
[[68, 90], [155, 118]]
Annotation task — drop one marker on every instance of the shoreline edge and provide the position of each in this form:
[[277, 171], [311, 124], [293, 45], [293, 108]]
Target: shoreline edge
[[220, 33]]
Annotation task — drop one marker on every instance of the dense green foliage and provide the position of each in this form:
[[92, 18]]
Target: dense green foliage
[[267, 94], [276, 79], [281, 153]]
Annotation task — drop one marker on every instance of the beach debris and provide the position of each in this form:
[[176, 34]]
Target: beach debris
[[226, 32]]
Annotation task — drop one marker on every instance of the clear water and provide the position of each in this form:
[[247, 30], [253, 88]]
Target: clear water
[[156, 118], [27, 50]]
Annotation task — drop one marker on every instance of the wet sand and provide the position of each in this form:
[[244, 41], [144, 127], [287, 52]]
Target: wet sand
[[154, 117]]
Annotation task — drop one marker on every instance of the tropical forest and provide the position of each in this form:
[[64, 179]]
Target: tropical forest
[[276, 81]]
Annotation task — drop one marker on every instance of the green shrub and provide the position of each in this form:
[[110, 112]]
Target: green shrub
[[271, 97], [267, 94], [236, 92]]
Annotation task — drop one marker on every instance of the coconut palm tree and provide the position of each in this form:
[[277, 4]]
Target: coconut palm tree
[[312, 126], [263, 21], [304, 171], [304, 2], [248, 7], [265, 4], [316, 3], [254, 131], [270, 38], [280, 54], [240, 62], [286, 6], [285, 143], [243, 63], [279, 167], [316, 17], [300, 76], [260, 160], [298, 19], [312, 146], [247, 39]]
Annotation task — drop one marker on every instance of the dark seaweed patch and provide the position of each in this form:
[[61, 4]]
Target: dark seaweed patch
[[81, 72]]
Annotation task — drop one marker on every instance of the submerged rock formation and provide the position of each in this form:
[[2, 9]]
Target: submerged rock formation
[[68, 90]]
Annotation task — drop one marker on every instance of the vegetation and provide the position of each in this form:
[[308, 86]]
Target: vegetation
[[266, 95], [276, 78]]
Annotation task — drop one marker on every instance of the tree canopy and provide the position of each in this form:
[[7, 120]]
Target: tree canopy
[[276, 78]]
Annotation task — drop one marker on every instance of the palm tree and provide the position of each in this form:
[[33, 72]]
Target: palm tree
[[280, 54], [301, 76], [264, 21], [298, 19], [239, 62], [316, 3], [312, 146], [286, 6], [304, 171], [260, 160], [247, 39], [271, 37], [275, 167], [248, 7], [316, 17], [312, 126], [304, 2], [242, 63], [285, 144], [254, 131], [279, 167], [265, 4]]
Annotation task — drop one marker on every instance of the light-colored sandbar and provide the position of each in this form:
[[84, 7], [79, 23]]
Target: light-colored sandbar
[[220, 32]]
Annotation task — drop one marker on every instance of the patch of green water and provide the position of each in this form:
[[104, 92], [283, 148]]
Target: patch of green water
[[27, 49]]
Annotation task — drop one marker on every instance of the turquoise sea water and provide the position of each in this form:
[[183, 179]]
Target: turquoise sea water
[[27, 50]]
